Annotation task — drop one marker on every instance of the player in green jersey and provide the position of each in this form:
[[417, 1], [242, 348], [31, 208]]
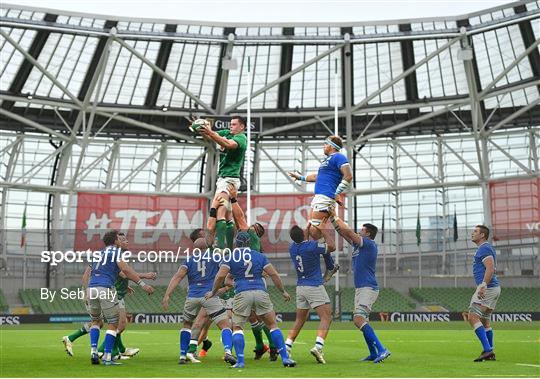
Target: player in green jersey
[[232, 147]]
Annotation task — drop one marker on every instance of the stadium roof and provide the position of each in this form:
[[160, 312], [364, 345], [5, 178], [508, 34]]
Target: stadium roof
[[139, 77]]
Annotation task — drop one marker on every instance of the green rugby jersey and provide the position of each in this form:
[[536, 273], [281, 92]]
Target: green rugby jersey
[[228, 295], [255, 241], [231, 160], [121, 286]]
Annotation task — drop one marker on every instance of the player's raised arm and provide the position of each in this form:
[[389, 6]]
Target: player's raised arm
[[132, 275], [212, 216], [330, 243], [344, 230], [207, 132], [238, 213], [86, 276], [175, 281], [270, 270], [345, 183], [303, 178]]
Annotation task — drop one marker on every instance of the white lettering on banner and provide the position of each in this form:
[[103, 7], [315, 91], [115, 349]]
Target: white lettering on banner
[[165, 224], [533, 226], [96, 225], [422, 317], [511, 317], [147, 227], [142, 318], [9, 320], [280, 229]]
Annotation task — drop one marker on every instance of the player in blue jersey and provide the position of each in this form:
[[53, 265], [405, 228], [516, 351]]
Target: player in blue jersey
[[200, 272], [364, 259], [122, 289], [310, 292], [333, 178], [487, 292], [251, 295], [102, 298]]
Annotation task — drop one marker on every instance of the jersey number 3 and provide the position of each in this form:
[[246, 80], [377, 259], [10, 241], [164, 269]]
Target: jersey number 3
[[300, 264]]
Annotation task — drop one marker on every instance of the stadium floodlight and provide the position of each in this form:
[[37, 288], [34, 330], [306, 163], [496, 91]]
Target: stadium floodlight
[[465, 54], [229, 64]]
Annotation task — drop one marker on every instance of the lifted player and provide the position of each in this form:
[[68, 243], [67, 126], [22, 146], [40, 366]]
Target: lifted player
[[333, 178]]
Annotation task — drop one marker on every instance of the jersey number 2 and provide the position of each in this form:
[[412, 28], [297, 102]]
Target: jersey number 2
[[248, 273]]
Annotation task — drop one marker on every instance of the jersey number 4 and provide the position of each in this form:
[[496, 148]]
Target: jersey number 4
[[201, 267]]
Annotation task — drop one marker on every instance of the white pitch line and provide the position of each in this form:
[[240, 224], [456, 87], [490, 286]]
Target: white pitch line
[[527, 364], [499, 376]]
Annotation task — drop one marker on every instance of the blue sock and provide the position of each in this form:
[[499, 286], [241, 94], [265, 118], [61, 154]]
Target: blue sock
[[110, 337], [481, 334], [94, 339], [370, 344], [369, 335], [328, 261], [185, 336], [227, 339], [239, 343], [277, 338], [489, 335]]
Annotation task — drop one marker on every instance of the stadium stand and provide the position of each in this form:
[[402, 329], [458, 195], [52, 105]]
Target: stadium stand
[[139, 301], [457, 299], [453, 299]]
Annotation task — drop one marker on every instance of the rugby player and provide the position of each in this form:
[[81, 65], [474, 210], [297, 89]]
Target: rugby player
[[487, 292], [364, 259]]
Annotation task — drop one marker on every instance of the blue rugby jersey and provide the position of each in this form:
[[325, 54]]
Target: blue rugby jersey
[[485, 250], [306, 260], [364, 260], [247, 274], [329, 175], [201, 274], [105, 271]]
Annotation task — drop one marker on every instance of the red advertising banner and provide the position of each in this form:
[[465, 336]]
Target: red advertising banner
[[165, 222], [150, 222], [515, 208]]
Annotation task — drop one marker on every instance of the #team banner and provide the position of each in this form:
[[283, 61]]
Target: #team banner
[[163, 223]]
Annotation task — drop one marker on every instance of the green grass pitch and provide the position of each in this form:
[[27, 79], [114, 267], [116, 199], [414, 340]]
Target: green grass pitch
[[418, 350]]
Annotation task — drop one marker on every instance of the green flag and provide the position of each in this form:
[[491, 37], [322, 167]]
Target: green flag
[[23, 227], [418, 230]]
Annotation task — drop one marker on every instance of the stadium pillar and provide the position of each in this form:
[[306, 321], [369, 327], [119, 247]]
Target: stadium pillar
[[10, 169], [477, 126], [349, 140], [444, 190], [399, 235]]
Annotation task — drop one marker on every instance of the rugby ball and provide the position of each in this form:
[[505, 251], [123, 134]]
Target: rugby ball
[[194, 127]]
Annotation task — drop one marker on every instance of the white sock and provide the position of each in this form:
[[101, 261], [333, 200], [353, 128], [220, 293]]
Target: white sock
[[289, 342], [107, 356], [319, 343]]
